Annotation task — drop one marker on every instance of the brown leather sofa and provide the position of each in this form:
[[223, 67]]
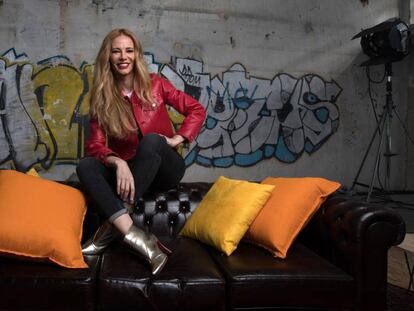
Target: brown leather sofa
[[339, 262]]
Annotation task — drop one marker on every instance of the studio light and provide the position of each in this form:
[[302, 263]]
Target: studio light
[[386, 42]]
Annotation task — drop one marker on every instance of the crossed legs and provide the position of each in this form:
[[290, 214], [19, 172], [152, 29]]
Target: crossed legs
[[156, 165]]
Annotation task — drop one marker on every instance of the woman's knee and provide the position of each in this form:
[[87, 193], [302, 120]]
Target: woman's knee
[[152, 142], [86, 165]]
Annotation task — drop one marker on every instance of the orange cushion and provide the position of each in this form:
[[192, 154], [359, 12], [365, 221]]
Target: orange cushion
[[292, 203], [40, 219]]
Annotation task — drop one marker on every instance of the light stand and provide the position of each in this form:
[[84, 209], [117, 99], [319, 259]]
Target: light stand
[[384, 130], [385, 43]]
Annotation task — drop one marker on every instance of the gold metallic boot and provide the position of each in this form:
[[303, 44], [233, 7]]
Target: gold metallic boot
[[148, 246], [104, 236]]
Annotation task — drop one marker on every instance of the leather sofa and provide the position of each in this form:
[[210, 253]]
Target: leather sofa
[[339, 262]]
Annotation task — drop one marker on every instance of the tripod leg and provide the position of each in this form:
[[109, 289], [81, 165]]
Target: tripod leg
[[378, 129], [403, 126], [378, 154]]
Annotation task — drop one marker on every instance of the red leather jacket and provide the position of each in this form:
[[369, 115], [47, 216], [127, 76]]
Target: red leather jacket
[[149, 120]]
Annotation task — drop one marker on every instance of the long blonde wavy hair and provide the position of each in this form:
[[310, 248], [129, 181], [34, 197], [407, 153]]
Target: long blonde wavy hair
[[107, 105]]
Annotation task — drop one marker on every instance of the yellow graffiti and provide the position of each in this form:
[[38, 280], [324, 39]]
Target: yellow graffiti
[[54, 99], [62, 88], [176, 120]]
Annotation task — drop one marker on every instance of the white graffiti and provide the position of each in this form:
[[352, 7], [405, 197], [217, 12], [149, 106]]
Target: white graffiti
[[24, 133]]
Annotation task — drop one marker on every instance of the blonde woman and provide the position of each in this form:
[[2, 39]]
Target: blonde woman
[[132, 146]]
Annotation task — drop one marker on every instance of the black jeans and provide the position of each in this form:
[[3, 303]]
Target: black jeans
[[156, 165]]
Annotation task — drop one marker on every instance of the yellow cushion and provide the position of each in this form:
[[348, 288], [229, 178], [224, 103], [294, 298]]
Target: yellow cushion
[[226, 212], [32, 172], [40, 219], [291, 205]]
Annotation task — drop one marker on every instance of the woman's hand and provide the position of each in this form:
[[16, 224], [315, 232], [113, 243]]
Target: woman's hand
[[125, 186], [174, 141]]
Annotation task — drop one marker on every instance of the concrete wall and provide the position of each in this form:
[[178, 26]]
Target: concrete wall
[[281, 82]]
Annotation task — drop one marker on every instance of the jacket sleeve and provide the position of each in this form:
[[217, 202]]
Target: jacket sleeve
[[96, 144], [190, 108]]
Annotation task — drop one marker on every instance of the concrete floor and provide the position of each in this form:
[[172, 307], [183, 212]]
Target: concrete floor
[[400, 263]]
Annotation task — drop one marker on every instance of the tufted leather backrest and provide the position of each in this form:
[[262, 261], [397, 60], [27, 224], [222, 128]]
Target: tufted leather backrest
[[165, 213]]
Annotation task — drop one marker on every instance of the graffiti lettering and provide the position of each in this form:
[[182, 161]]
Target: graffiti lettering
[[188, 76], [251, 119], [44, 113]]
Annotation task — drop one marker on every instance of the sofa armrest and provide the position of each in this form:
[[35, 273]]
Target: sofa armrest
[[356, 236]]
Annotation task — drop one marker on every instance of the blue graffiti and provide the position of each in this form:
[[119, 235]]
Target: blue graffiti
[[251, 119]]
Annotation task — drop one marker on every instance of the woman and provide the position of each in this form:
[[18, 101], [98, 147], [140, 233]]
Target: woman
[[132, 146]]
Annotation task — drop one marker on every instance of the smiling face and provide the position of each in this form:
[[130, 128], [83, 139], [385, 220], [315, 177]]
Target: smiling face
[[122, 56]]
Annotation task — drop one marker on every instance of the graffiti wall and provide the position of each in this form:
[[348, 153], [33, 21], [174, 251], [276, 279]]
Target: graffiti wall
[[251, 119], [43, 110], [44, 113]]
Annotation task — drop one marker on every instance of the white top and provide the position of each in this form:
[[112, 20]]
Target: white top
[[129, 94]]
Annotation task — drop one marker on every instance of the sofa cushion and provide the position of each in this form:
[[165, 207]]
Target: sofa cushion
[[226, 212], [189, 281], [255, 279], [291, 206], [40, 219], [28, 285]]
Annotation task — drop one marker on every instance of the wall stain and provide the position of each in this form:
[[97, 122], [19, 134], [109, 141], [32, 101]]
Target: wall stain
[[308, 27], [267, 36], [232, 42]]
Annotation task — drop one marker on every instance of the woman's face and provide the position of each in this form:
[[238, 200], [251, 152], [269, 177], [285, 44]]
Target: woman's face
[[122, 55]]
